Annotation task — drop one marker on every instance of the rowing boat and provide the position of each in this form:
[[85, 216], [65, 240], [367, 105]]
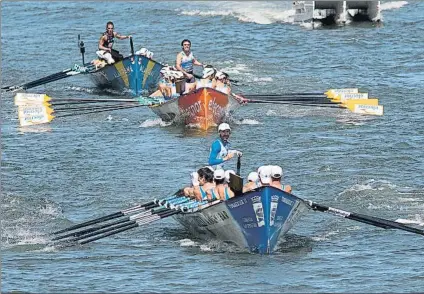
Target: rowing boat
[[136, 74], [203, 108], [255, 220]]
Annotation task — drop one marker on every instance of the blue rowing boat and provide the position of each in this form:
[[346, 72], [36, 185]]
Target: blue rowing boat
[[255, 220], [136, 74]]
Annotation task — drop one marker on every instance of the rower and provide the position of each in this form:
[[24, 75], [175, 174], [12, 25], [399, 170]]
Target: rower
[[220, 150], [208, 79], [202, 185], [222, 83], [222, 190], [185, 62], [106, 43], [276, 175]]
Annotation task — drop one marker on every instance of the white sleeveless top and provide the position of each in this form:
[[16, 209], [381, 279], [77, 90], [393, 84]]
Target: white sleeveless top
[[187, 61]]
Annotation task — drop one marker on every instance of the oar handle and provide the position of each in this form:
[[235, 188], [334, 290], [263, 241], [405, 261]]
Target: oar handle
[[132, 46], [238, 165]]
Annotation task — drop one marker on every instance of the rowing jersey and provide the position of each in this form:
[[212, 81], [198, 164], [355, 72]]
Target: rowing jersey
[[217, 153], [109, 41], [187, 62], [205, 194]]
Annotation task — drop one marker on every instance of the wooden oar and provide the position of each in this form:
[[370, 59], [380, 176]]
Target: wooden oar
[[371, 220]]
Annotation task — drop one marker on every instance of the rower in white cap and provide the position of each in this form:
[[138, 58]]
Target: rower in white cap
[[220, 151]]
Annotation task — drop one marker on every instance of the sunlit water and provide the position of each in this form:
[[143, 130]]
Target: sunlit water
[[83, 167]]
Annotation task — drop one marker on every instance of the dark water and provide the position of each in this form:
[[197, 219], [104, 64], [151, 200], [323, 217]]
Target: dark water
[[82, 167]]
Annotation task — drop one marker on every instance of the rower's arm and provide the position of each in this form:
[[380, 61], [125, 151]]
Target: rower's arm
[[215, 149], [120, 37], [101, 42]]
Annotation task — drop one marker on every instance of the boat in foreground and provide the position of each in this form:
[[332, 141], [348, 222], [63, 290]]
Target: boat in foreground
[[203, 108], [255, 220]]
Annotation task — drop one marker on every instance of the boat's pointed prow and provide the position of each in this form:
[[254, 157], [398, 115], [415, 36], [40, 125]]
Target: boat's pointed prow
[[264, 216]]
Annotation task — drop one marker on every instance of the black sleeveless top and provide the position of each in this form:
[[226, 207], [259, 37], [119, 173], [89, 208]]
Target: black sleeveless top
[[110, 40]]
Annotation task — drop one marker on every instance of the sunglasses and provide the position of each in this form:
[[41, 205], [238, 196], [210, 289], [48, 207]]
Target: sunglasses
[[110, 28]]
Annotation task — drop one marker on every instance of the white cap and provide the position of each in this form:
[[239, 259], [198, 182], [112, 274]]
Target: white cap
[[227, 175], [219, 174], [223, 127], [142, 51], [276, 171], [253, 177], [207, 72], [265, 174], [220, 75]]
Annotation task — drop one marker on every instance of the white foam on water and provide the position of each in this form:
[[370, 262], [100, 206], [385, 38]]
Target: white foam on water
[[205, 248], [247, 121], [187, 243], [263, 79], [154, 122], [79, 89], [50, 210], [255, 12], [392, 5]]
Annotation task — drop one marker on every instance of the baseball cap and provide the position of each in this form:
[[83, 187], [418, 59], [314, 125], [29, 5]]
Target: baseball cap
[[276, 171], [252, 177], [265, 174], [223, 127], [219, 174]]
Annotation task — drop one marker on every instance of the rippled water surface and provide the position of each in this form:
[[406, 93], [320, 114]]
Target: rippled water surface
[[82, 167]]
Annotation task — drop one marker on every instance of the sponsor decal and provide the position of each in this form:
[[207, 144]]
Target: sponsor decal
[[259, 210]]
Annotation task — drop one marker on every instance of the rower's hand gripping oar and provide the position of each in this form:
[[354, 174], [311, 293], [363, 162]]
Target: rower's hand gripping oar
[[371, 220]]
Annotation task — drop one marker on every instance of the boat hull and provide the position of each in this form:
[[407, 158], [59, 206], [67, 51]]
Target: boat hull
[[203, 108], [255, 220], [138, 75]]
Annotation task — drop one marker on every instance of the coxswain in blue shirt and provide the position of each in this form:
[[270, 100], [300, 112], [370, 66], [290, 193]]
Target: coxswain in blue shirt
[[220, 151]]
